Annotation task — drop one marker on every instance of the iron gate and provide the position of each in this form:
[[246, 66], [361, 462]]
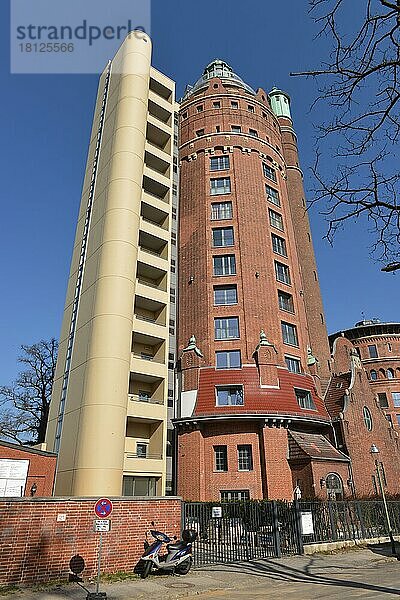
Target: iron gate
[[242, 531]]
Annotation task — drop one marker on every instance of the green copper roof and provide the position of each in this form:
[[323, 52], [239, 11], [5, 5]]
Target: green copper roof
[[221, 69]]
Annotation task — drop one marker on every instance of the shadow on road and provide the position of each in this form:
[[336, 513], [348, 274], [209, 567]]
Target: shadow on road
[[279, 571]]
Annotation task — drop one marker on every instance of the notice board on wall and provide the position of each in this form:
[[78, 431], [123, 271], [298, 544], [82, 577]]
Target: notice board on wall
[[13, 474]]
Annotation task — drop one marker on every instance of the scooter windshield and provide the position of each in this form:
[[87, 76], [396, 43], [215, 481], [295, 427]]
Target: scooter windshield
[[158, 535]]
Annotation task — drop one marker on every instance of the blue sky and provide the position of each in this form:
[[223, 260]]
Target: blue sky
[[45, 125]]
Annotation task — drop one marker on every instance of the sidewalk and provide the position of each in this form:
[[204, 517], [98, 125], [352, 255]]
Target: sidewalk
[[357, 573]]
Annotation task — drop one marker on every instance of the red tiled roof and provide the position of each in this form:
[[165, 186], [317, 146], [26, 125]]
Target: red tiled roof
[[257, 400], [313, 445], [334, 397]]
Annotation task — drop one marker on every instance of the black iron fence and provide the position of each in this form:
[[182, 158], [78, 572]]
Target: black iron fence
[[251, 529], [349, 520], [240, 531]]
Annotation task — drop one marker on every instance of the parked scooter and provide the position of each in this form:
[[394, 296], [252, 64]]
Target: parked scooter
[[178, 557]]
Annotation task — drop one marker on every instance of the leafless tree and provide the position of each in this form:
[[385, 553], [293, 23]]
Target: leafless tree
[[356, 169], [24, 406]]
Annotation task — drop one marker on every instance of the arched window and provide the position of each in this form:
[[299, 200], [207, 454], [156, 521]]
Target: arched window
[[382, 374], [373, 374], [390, 374], [334, 487], [367, 418]]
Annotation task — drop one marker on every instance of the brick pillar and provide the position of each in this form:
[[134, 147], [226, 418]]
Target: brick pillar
[[191, 465], [277, 469]]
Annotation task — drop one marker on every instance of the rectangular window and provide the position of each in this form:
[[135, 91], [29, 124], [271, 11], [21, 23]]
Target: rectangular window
[[234, 495], [224, 265], [219, 163], [217, 104], [396, 399], [285, 301], [222, 237], [383, 401], [221, 185], [234, 104], [278, 245], [230, 396], [250, 108], [282, 273], [253, 132], [373, 352], [236, 129], [199, 108], [221, 458], [225, 295], [275, 219], [229, 359], [200, 132], [272, 195], [289, 334], [293, 364], [245, 458], [269, 172], [226, 328], [389, 418], [221, 211], [304, 399], [141, 450]]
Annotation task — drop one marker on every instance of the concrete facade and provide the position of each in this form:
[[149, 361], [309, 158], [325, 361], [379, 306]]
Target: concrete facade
[[108, 415]]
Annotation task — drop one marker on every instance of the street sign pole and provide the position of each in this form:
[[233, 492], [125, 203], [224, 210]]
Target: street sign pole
[[99, 562]]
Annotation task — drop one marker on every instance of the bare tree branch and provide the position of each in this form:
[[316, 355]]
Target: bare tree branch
[[356, 169]]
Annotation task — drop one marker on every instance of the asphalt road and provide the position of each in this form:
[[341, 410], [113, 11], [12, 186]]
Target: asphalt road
[[357, 573]]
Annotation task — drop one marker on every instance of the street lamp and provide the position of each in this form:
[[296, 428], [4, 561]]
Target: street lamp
[[374, 452]]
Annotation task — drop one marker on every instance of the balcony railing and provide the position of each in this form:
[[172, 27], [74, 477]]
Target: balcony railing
[[137, 398], [151, 456]]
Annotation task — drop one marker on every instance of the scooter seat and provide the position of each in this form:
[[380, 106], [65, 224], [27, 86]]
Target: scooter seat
[[179, 545]]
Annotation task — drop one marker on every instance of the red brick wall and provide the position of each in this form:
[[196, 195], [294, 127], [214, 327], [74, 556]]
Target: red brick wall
[[35, 548], [257, 306], [270, 478], [41, 469], [357, 438], [278, 472], [309, 276]]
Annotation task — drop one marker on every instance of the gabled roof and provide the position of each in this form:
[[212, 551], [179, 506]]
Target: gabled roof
[[313, 445], [334, 396]]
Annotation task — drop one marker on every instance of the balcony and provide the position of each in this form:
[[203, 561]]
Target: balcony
[[138, 398], [160, 109], [153, 214], [158, 134], [153, 408], [153, 236], [156, 185], [157, 88], [153, 260], [156, 160]]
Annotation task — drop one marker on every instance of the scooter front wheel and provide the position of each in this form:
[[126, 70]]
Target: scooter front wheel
[[146, 569], [184, 567]]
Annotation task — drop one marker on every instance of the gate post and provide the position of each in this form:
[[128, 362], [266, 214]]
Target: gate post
[[275, 528], [298, 528], [361, 519], [332, 521]]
